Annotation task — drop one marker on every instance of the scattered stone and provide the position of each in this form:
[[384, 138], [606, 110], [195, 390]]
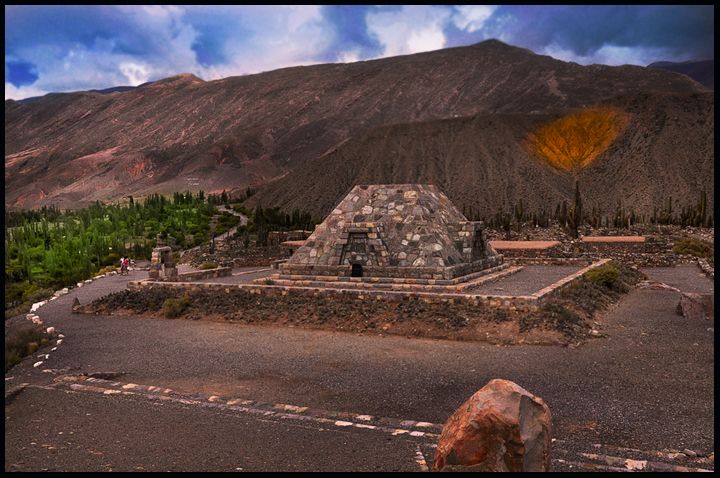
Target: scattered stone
[[50, 330], [502, 427], [75, 304], [37, 305], [635, 465], [37, 364]]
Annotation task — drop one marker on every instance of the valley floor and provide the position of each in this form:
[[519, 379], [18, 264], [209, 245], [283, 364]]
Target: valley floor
[[646, 387]]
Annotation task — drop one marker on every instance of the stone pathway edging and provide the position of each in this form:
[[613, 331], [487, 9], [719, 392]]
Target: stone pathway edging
[[393, 426], [36, 320], [601, 457], [705, 266]]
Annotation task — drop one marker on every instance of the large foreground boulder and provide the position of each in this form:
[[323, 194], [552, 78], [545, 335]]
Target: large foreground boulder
[[502, 427]]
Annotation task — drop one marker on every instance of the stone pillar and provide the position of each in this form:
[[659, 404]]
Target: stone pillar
[[171, 273]]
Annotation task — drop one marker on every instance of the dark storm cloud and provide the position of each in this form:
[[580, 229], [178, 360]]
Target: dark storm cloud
[[681, 31], [66, 48]]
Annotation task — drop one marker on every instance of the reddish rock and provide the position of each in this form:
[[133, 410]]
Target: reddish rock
[[502, 427], [696, 306]]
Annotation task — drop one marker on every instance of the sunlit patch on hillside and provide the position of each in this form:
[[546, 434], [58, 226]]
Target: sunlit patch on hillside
[[574, 141]]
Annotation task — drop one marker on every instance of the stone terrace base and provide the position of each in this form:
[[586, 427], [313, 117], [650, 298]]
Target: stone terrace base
[[396, 284], [407, 273], [522, 302]]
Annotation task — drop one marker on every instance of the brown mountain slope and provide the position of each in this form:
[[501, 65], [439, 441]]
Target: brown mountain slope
[[183, 132], [702, 71], [667, 148]]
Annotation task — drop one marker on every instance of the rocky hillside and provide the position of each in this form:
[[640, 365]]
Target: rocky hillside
[[483, 161], [444, 112]]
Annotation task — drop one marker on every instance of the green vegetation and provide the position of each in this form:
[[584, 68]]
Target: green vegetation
[[208, 265], [49, 249], [172, 308], [273, 219], [606, 275], [23, 343], [695, 247]]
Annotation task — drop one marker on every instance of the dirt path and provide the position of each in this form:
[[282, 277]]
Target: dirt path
[[648, 385]]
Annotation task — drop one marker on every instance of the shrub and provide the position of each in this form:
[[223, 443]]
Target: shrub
[[32, 347], [208, 265], [269, 282], [172, 308], [20, 344], [111, 259], [606, 275], [694, 247], [107, 269], [37, 295]]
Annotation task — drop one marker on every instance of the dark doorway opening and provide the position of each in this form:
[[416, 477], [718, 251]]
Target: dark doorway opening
[[356, 271]]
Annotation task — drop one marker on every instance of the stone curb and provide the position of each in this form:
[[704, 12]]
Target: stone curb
[[393, 426], [565, 281]]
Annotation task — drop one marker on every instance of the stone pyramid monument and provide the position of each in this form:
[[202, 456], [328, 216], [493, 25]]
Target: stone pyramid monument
[[394, 230]]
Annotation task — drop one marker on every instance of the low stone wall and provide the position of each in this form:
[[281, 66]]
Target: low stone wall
[[206, 274], [547, 293], [640, 259], [705, 266], [551, 261], [523, 303]]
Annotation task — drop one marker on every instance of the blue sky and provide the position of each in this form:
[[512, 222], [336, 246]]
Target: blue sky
[[70, 48]]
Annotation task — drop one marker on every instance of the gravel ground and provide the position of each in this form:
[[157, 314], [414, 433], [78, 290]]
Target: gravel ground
[[529, 280], [649, 383], [81, 432], [687, 278]]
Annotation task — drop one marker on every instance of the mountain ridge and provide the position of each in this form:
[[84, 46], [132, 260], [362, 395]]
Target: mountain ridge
[[186, 133]]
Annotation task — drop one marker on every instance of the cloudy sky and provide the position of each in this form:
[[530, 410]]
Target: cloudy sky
[[70, 48]]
